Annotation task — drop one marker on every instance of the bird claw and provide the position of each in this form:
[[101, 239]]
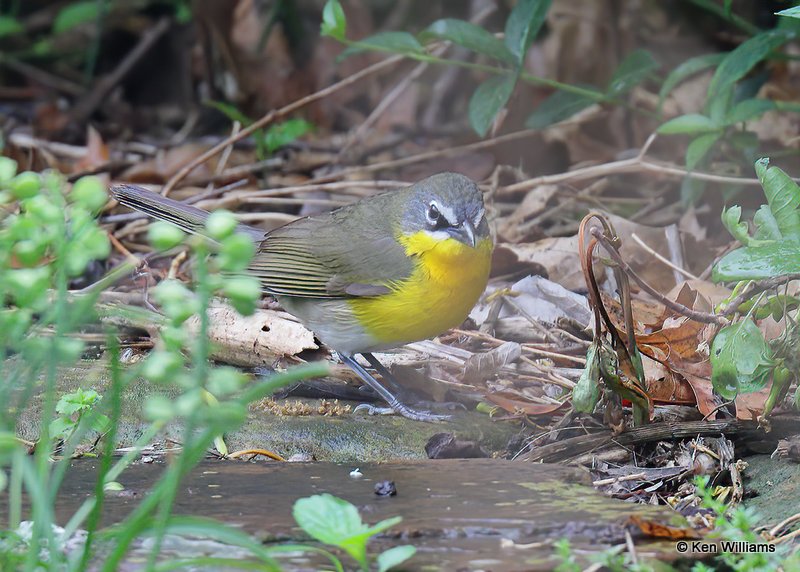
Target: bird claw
[[406, 412]]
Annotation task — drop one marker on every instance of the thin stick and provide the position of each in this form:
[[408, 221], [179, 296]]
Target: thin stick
[[666, 261], [698, 316], [276, 114]]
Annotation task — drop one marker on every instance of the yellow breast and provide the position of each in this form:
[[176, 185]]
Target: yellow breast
[[447, 281]]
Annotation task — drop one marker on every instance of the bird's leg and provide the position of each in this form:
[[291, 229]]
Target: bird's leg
[[394, 403], [386, 375]]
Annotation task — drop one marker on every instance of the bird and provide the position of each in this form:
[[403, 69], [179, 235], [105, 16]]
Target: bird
[[390, 269]]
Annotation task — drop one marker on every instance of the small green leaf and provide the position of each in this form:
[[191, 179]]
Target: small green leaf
[[690, 124], [388, 559], [633, 70], [731, 219], [757, 262], [766, 226], [737, 352], [586, 392], [8, 168], [230, 111], [163, 235], [221, 224], [728, 7], [10, 26], [25, 185], [333, 521], [74, 14], [783, 197], [557, 107], [522, 26], [401, 43], [741, 60], [89, 192], [748, 109], [686, 70], [790, 12], [699, 148], [236, 252], [490, 97], [468, 35], [281, 134], [334, 22], [113, 486]]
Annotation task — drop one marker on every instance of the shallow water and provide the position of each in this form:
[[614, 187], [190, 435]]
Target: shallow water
[[456, 512]]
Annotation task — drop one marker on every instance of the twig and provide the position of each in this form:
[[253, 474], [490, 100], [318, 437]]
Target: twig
[[437, 154], [663, 259], [633, 165], [783, 524], [615, 480], [755, 287], [85, 107], [276, 114], [568, 449], [696, 315]]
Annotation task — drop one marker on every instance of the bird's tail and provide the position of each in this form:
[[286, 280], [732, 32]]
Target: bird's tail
[[188, 218]]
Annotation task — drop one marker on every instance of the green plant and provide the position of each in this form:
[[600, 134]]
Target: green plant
[[271, 139], [738, 525], [75, 408], [742, 360], [507, 57], [49, 235], [731, 99], [732, 525], [336, 522]]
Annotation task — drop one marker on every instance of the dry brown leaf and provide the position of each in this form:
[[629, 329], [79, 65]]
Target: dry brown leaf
[[484, 365], [558, 257], [533, 204]]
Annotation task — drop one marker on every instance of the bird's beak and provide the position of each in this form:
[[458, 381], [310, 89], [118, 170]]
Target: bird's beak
[[466, 233]]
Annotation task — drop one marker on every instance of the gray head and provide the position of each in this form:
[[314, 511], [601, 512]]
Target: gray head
[[447, 205]]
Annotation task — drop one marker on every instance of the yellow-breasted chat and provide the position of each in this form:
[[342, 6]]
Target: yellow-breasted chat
[[390, 269]]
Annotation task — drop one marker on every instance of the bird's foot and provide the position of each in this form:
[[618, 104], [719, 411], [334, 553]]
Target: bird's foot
[[404, 410]]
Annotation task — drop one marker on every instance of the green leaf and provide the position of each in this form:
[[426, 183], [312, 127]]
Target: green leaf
[[790, 12], [586, 392], [766, 226], [633, 70], [690, 124], [10, 26], [728, 7], [333, 521], [749, 109], [559, 106], [282, 134], [230, 111], [731, 219], [741, 60], [394, 42], [783, 197], [737, 352], [75, 14], [388, 559], [685, 70], [469, 36], [490, 97], [757, 262], [699, 148], [334, 23], [522, 26]]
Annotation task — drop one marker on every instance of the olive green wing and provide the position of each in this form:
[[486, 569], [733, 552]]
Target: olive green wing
[[331, 256]]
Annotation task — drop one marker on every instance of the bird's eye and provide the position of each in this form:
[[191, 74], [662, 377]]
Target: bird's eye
[[433, 214]]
